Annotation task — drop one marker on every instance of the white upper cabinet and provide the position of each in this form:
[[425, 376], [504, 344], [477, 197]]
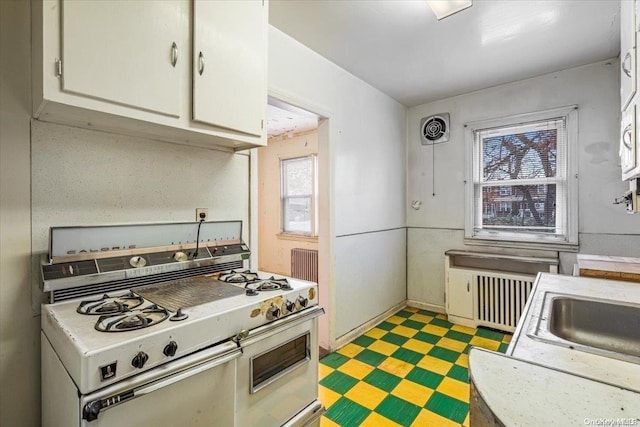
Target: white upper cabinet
[[135, 68], [627, 52], [124, 52], [629, 96], [229, 64]]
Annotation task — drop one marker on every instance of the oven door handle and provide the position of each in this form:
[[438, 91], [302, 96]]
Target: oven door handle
[[92, 408], [245, 338]]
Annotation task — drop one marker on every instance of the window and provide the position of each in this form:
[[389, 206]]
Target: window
[[298, 195], [521, 170]]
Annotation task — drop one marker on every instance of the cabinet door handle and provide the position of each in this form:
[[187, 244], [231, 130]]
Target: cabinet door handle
[[200, 63], [626, 70], [626, 137], [467, 286], [174, 54]]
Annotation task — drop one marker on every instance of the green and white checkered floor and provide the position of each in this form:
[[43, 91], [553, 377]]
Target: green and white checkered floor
[[410, 370]]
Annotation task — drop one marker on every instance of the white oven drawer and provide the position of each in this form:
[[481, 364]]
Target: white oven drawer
[[278, 371], [192, 392]]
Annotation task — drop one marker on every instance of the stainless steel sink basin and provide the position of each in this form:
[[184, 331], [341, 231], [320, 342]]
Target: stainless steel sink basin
[[597, 324], [604, 327]]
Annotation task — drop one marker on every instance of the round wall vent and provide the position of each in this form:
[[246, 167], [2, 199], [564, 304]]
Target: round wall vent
[[434, 129]]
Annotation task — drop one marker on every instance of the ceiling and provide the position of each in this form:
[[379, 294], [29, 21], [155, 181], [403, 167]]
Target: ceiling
[[285, 119], [400, 48]]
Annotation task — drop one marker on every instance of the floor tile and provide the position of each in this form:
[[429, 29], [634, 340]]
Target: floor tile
[[427, 418], [396, 367], [435, 329], [366, 395], [356, 369], [454, 345], [370, 357], [448, 407], [398, 410], [376, 420], [386, 348], [425, 377], [324, 370], [383, 380], [434, 364], [334, 360], [487, 343], [346, 412], [405, 331], [339, 382], [364, 340], [327, 396], [423, 318], [375, 333], [412, 392], [394, 338], [454, 388], [410, 370], [350, 350], [417, 346]]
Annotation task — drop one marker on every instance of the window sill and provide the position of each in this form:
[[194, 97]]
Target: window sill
[[297, 237], [547, 246]]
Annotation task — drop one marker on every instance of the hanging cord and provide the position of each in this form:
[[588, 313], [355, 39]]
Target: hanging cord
[[433, 169], [195, 253]]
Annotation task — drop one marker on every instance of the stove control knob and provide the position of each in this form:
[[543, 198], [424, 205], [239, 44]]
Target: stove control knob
[[170, 349], [302, 301], [290, 306], [273, 312], [180, 256], [139, 360], [137, 262]]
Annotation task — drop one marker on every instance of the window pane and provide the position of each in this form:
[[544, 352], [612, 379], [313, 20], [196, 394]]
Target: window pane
[[519, 155], [528, 208], [298, 177], [297, 215]]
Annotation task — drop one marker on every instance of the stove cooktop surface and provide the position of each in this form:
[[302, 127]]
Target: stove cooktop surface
[[83, 347]]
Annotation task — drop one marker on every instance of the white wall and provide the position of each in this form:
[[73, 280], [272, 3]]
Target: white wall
[[367, 162], [19, 329], [439, 225]]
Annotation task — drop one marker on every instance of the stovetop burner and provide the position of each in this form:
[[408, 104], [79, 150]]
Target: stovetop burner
[[132, 320], [270, 284], [239, 276], [110, 305]]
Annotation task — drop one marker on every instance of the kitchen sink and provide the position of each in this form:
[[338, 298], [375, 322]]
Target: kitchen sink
[[604, 327]]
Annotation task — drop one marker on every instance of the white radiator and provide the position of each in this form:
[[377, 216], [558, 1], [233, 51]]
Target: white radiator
[[500, 298], [304, 264], [480, 293]]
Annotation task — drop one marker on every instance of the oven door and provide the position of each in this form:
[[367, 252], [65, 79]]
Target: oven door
[[278, 372], [194, 390]]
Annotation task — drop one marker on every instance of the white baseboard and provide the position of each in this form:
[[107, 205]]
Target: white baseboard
[[426, 306], [355, 333]]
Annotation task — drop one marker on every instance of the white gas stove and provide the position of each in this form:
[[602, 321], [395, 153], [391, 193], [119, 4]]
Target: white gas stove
[[129, 319]]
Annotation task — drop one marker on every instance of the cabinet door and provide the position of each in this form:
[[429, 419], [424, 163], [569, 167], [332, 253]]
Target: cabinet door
[[124, 51], [460, 293], [229, 82], [628, 141], [627, 52]]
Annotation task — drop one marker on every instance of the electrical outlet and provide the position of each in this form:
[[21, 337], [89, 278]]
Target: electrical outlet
[[202, 214]]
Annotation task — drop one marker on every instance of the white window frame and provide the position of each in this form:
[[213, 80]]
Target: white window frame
[[568, 215], [312, 196]]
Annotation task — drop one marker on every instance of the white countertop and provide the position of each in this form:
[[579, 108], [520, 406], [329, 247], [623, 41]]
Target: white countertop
[[521, 393], [539, 383]]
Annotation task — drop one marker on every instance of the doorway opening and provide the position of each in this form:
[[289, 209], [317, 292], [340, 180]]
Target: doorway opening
[[291, 192]]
